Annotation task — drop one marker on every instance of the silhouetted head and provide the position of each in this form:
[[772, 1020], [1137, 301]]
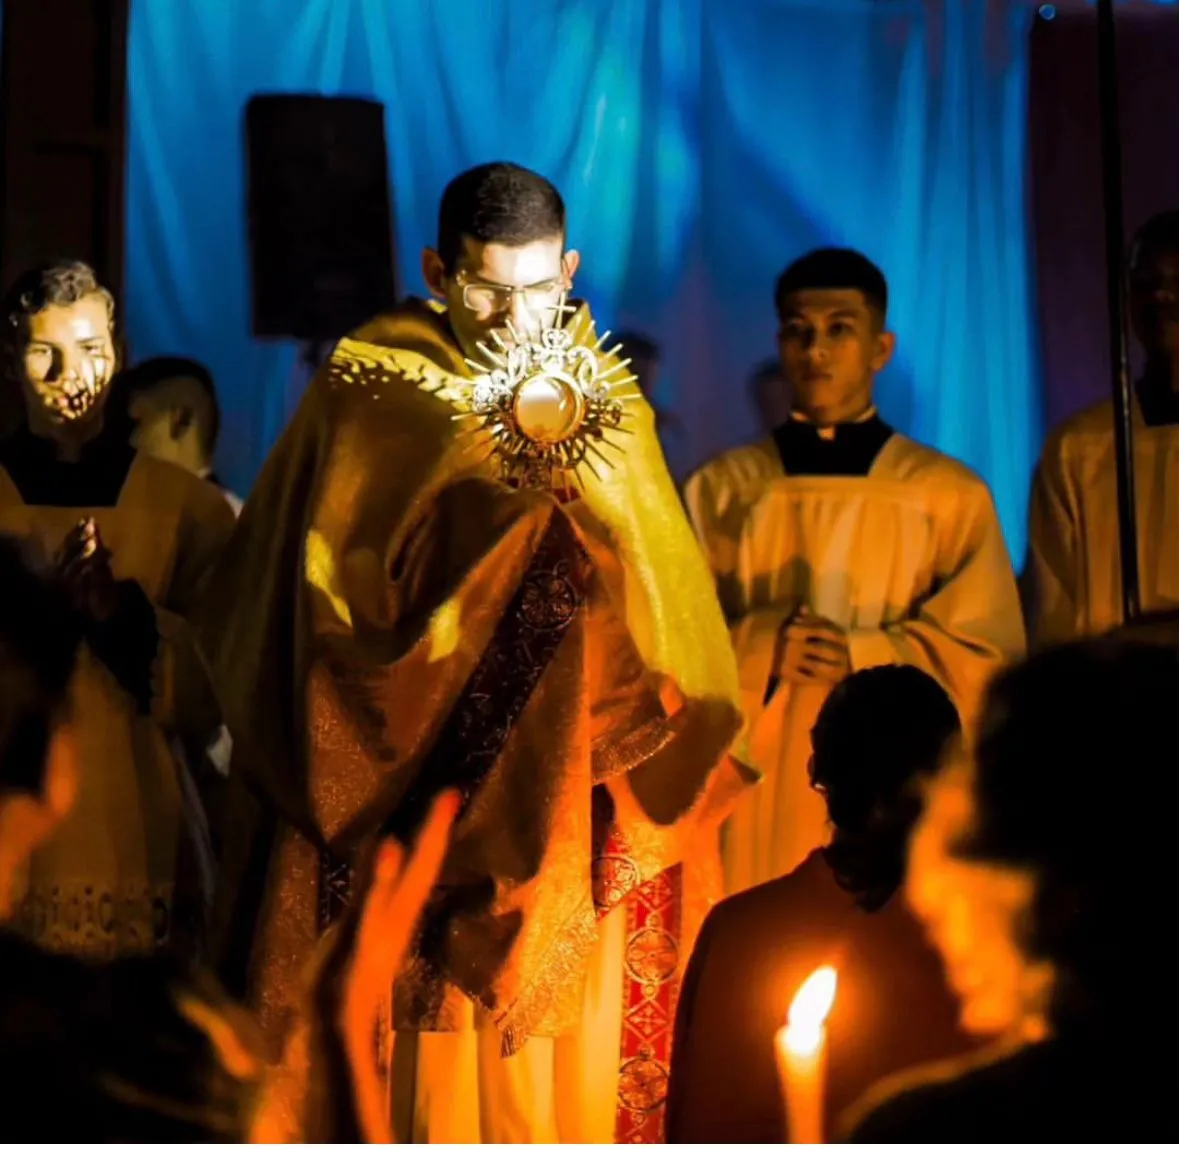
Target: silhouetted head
[[1049, 862], [880, 732]]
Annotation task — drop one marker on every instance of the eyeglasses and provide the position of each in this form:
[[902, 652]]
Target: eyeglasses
[[487, 299]]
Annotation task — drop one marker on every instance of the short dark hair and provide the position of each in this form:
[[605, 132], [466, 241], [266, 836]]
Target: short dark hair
[[879, 731], [1160, 233], [497, 203], [834, 268], [58, 283], [39, 637], [151, 374]]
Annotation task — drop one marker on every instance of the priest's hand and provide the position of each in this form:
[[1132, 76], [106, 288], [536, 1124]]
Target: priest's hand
[[84, 565], [813, 649]]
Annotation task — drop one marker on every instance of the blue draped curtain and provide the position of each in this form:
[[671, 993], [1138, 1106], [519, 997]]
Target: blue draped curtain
[[700, 144]]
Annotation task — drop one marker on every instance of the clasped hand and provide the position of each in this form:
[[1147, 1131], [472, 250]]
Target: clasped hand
[[812, 649], [84, 566]]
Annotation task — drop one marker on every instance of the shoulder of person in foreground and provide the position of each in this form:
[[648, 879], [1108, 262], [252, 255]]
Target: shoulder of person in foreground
[[138, 1050], [922, 1105], [764, 917]]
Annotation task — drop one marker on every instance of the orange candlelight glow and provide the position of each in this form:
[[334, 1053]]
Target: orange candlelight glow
[[801, 1048], [809, 1011]]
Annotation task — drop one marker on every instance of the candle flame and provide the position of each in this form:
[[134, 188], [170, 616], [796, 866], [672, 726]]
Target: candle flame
[[809, 1011]]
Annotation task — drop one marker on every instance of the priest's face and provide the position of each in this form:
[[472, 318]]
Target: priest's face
[[1154, 302], [68, 359], [498, 289], [831, 345], [974, 913]]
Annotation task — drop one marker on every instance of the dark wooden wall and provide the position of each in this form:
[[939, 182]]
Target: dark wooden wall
[[63, 131], [63, 102], [1065, 172]]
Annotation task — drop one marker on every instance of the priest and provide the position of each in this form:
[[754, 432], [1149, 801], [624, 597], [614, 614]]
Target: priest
[[838, 544], [465, 565]]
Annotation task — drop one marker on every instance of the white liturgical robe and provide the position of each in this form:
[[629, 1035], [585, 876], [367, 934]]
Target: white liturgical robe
[[1073, 579], [909, 559]]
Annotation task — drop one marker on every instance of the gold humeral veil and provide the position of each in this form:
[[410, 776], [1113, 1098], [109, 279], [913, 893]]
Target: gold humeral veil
[[368, 581]]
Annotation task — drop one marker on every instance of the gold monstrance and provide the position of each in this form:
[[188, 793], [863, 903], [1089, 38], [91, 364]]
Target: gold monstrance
[[549, 403]]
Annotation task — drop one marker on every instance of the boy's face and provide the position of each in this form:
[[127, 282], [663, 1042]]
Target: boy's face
[[69, 358], [831, 347]]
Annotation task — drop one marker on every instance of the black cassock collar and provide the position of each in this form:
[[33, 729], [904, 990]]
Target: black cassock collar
[[845, 449]]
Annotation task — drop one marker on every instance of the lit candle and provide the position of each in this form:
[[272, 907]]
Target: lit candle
[[801, 1046]]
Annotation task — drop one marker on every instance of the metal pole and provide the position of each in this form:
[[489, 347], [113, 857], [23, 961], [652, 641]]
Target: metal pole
[[1111, 150]]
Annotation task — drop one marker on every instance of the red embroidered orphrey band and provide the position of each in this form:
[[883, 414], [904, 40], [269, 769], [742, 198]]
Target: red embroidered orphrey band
[[652, 971]]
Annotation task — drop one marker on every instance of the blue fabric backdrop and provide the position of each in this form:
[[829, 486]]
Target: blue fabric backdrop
[[700, 144]]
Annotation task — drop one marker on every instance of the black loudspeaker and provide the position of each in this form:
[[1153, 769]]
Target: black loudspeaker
[[321, 237]]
